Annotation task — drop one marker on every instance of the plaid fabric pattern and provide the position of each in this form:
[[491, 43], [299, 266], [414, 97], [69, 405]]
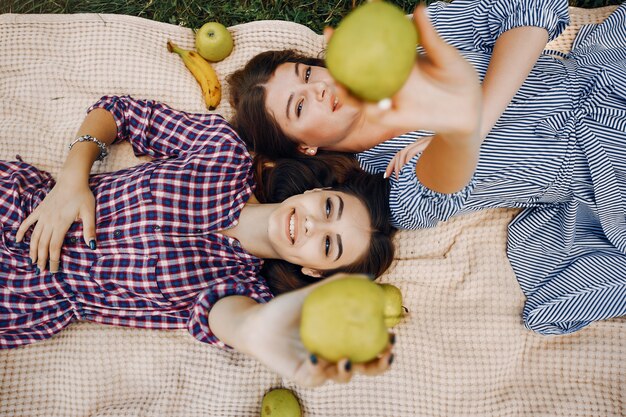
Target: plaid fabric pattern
[[159, 263]]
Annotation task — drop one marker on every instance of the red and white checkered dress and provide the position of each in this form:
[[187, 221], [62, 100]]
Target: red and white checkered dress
[[159, 263]]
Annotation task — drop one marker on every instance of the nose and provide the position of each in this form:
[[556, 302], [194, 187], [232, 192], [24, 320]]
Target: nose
[[313, 225], [320, 89]]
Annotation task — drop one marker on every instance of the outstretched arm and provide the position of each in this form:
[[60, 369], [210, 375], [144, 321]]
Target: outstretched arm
[[514, 54], [442, 94], [70, 199], [270, 333]]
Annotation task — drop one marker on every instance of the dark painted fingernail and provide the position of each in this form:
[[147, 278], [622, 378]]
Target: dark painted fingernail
[[92, 244], [30, 261], [370, 277], [392, 338], [348, 366], [390, 359], [313, 359], [37, 271]]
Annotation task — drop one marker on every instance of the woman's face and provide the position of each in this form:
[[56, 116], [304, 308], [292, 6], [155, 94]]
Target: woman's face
[[302, 99], [321, 229]]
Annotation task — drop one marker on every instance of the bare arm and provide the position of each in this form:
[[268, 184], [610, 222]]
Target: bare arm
[[100, 124], [455, 156], [514, 54], [442, 94], [271, 334], [70, 199]]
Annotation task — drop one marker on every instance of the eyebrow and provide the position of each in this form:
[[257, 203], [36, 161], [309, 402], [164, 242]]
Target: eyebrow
[[339, 243], [340, 208], [340, 246], [290, 99]]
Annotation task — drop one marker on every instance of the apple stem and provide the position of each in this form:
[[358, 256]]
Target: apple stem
[[406, 310]]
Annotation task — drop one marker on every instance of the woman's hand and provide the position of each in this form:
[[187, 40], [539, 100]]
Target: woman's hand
[[69, 200], [405, 155], [442, 93], [274, 339]]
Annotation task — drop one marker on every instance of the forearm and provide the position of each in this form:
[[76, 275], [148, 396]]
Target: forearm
[[447, 165], [514, 55], [228, 319], [100, 124]]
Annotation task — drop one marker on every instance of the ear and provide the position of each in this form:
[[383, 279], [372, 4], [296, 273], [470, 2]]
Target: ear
[[308, 150], [311, 272], [328, 33]]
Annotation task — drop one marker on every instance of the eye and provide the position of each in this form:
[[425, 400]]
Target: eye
[[307, 74], [299, 107], [329, 207], [327, 245]]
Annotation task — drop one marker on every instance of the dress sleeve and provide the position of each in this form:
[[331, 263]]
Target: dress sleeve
[[159, 131], [198, 324], [414, 206], [494, 17], [577, 295]]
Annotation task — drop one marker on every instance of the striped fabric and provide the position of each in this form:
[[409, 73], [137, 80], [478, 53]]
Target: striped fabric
[[157, 264], [558, 152]]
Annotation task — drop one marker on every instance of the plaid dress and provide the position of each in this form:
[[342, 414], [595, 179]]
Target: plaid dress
[[159, 263]]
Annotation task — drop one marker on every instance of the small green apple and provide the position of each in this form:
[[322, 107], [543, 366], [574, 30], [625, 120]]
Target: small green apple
[[280, 403], [214, 42], [393, 304], [345, 318], [372, 51]]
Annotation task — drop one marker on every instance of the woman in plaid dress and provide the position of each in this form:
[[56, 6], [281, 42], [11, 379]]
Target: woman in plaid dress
[[178, 242]]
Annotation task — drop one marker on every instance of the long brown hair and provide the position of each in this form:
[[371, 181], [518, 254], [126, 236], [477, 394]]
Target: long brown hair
[[278, 179], [253, 122]]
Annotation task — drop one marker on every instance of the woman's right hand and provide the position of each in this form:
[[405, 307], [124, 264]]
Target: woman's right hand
[[273, 335], [70, 200], [442, 93]]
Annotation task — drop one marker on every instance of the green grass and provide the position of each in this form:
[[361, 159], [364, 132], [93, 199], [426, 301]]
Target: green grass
[[315, 14]]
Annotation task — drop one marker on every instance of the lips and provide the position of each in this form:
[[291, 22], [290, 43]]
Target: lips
[[291, 227], [334, 102]]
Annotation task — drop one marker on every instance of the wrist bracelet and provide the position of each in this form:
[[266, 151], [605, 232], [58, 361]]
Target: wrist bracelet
[[88, 138]]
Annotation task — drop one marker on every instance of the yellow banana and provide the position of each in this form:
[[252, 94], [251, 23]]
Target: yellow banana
[[203, 72]]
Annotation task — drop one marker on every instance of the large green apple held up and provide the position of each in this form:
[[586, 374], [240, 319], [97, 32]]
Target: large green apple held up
[[214, 42], [345, 318], [372, 51]]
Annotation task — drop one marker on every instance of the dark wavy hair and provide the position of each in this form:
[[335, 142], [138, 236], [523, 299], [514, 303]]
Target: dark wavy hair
[[257, 127], [278, 179]]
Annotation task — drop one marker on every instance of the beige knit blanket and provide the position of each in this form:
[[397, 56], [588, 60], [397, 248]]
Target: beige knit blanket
[[462, 351]]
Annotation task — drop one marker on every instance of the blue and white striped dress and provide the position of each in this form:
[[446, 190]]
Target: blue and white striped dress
[[559, 152]]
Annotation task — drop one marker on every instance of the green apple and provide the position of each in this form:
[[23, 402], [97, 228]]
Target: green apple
[[214, 42], [345, 318], [280, 403], [372, 51], [393, 304]]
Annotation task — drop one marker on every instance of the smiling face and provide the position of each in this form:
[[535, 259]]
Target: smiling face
[[320, 230], [303, 101]]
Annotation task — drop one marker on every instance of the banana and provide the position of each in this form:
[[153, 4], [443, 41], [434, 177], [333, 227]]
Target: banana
[[203, 72]]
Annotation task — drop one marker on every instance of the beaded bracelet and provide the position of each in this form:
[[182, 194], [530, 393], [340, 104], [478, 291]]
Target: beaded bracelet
[[88, 138]]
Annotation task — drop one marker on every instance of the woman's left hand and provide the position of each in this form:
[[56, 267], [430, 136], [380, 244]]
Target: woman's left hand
[[274, 339], [405, 155]]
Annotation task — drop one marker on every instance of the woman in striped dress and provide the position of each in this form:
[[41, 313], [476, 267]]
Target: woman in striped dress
[[549, 136]]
